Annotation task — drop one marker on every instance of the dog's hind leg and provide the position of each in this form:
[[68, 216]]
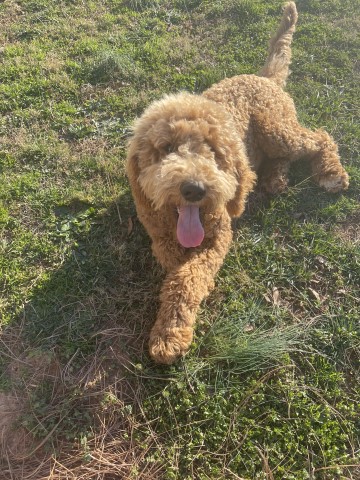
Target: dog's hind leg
[[326, 167], [288, 141], [183, 290]]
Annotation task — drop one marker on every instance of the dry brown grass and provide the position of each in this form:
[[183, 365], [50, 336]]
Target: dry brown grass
[[349, 231], [104, 394]]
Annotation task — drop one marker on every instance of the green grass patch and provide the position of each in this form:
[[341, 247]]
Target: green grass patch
[[270, 387]]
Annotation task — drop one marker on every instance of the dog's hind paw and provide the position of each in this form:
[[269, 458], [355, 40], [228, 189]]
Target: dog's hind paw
[[168, 345], [334, 183]]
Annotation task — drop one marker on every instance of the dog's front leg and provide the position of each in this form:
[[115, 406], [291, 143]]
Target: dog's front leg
[[182, 292]]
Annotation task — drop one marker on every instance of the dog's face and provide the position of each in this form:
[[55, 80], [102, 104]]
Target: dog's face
[[185, 156]]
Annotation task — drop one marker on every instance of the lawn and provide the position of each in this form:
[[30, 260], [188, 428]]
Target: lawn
[[270, 388]]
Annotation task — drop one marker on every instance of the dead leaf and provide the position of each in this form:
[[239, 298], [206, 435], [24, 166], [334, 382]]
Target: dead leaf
[[315, 294], [267, 298], [249, 328], [276, 296]]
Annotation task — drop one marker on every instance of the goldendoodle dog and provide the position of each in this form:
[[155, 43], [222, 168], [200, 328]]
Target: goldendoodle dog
[[192, 161]]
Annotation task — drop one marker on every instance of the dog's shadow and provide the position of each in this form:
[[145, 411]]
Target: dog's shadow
[[109, 278], [81, 334]]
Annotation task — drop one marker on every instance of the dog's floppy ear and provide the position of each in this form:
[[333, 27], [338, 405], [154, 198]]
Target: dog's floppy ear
[[133, 172], [246, 179], [231, 155], [132, 164], [245, 176]]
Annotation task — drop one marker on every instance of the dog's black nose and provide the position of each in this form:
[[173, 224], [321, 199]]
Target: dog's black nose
[[192, 190]]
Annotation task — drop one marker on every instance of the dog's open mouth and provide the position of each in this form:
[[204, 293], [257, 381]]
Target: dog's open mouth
[[190, 232]]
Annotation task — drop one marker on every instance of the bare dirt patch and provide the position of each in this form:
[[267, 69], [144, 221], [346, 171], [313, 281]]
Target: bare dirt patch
[[349, 231], [13, 440]]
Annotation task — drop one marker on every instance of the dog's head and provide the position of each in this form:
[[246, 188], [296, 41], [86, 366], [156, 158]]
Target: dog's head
[[185, 153]]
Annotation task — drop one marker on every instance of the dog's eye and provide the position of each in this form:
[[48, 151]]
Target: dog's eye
[[212, 150], [169, 148]]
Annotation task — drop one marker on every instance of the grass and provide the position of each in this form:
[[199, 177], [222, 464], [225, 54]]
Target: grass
[[270, 388]]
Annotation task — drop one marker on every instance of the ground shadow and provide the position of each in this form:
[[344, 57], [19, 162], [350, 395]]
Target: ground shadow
[[76, 345]]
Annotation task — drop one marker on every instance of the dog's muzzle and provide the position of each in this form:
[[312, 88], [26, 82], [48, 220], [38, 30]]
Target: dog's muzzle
[[192, 190]]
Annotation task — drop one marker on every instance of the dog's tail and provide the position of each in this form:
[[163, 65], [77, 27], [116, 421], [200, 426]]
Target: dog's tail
[[276, 67]]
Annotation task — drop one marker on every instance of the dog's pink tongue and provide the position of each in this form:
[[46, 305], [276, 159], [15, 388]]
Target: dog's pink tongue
[[190, 232]]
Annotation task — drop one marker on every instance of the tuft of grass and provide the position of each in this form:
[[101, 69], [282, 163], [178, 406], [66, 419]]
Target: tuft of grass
[[245, 347], [113, 66]]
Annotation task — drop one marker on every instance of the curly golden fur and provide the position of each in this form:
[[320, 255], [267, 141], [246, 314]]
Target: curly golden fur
[[191, 165]]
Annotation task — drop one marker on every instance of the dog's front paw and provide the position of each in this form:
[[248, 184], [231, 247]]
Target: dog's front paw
[[168, 345]]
